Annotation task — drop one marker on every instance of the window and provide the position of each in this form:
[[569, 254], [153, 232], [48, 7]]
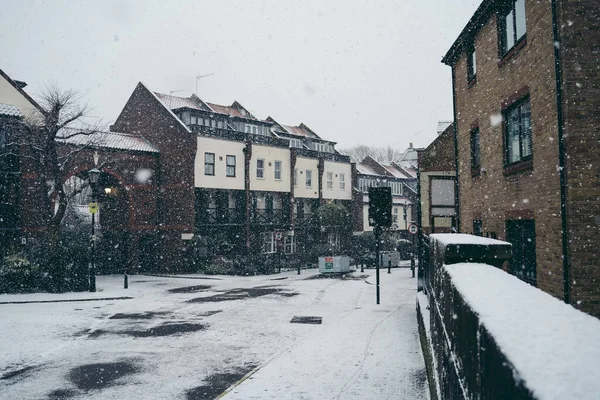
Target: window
[[251, 129], [289, 245], [260, 168], [517, 128], [475, 155], [308, 178], [342, 182], [194, 121], [330, 180], [296, 143], [277, 170], [206, 122], [209, 163], [471, 65], [268, 242], [477, 227], [295, 178], [512, 25], [230, 166], [521, 234]]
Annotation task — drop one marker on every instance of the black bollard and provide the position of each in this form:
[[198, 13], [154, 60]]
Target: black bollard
[[390, 265], [125, 281]]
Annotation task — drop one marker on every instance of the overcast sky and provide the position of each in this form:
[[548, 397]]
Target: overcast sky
[[356, 72]]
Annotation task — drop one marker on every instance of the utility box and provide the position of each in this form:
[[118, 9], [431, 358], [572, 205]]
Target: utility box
[[334, 264], [387, 256]]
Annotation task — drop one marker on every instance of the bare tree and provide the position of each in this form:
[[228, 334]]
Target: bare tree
[[44, 148], [381, 154]]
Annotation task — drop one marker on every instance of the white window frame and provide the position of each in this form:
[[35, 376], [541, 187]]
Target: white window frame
[[308, 178], [207, 164], [277, 170], [228, 166], [342, 181], [260, 175], [268, 242], [295, 178], [289, 244], [330, 180]]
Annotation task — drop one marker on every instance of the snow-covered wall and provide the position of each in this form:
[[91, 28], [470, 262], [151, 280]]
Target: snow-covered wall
[[552, 348]]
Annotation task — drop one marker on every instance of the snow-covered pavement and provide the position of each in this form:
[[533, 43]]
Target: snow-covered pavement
[[195, 338]]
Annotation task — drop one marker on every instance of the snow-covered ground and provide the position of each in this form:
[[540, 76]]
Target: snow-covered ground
[[195, 343]]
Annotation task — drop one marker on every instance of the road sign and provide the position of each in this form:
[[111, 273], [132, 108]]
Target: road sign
[[328, 262], [93, 208], [413, 229], [278, 235]]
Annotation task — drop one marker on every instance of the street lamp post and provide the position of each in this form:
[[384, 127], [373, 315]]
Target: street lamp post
[[94, 175]]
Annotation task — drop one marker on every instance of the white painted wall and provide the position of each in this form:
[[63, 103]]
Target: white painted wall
[[301, 191], [337, 168], [270, 155], [10, 95], [221, 148]]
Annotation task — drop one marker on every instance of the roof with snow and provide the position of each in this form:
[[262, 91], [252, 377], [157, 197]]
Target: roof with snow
[[103, 139], [8, 110], [366, 169], [175, 102], [234, 110]]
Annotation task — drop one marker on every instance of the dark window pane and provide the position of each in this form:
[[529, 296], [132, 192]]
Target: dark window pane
[[526, 129]]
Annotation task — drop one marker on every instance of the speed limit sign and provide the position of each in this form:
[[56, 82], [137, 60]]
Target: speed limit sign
[[278, 235], [413, 229]]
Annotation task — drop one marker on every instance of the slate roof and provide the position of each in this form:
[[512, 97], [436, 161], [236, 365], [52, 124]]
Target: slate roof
[[175, 102], [110, 140], [297, 130], [9, 110], [231, 111]]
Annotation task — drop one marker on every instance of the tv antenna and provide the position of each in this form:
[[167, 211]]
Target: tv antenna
[[200, 77]]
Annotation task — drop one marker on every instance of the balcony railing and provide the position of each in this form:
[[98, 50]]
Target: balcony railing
[[234, 216]]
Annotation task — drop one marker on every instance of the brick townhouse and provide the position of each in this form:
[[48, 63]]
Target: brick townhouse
[[526, 90], [226, 174]]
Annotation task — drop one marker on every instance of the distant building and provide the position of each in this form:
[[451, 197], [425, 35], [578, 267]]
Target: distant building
[[402, 181], [526, 90], [437, 177]]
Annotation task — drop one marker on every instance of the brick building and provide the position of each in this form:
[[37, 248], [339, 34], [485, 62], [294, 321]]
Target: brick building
[[437, 177], [526, 97], [231, 183]]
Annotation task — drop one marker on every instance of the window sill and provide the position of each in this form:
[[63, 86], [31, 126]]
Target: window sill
[[519, 166], [513, 52], [472, 81]]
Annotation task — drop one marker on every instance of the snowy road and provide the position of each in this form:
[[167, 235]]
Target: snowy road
[[193, 338]]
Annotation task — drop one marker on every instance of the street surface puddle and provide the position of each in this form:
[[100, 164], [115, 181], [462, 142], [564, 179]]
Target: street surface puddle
[[242, 294], [306, 320], [216, 384], [166, 329], [145, 315], [190, 289], [99, 376], [62, 394]]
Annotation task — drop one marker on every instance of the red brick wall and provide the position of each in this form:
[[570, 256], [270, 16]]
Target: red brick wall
[[580, 52], [439, 155], [494, 196], [144, 115]]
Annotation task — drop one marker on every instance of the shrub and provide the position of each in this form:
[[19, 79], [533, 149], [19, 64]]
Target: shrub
[[19, 275]]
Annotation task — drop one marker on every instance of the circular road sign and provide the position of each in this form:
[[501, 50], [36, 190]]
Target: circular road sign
[[278, 236], [413, 229]]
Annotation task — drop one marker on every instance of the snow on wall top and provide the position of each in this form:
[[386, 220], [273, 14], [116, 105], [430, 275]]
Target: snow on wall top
[[10, 110], [552, 346], [463, 238]]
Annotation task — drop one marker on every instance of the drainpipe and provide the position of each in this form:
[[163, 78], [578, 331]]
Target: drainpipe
[[561, 158], [293, 159], [247, 157], [455, 126]]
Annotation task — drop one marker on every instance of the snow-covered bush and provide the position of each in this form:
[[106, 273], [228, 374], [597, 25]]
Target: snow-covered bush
[[19, 275]]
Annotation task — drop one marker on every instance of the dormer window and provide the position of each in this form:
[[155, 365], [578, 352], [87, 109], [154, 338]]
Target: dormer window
[[296, 143], [251, 129]]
